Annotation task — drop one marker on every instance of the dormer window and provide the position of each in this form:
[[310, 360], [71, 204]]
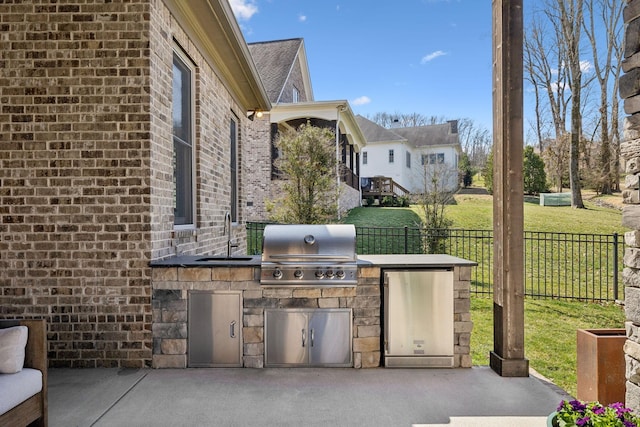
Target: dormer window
[[296, 95]]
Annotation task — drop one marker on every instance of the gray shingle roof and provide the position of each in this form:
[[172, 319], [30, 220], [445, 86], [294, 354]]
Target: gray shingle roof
[[274, 60], [431, 135], [373, 132], [418, 136]]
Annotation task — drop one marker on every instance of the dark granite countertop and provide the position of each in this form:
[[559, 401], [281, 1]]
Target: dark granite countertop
[[384, 261], [209, 261]]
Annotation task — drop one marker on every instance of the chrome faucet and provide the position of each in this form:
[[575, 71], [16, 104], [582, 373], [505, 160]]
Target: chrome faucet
[[227, 229]]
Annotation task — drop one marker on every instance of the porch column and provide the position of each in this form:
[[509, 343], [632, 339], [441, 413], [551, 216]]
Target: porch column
[[507, 357]]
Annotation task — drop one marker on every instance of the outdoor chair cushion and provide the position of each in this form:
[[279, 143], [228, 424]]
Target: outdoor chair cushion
[[16, 388], [12, 344]]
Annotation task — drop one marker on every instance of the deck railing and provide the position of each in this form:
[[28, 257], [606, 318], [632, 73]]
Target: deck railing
[[380, 186]]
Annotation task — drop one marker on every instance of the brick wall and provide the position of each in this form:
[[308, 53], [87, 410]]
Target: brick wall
[[86, 182], [74, 90], [257, 151], [630, 151]]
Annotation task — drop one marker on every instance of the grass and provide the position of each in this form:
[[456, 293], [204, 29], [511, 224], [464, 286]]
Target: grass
[[476, 212], [550, 325], [550, 334]]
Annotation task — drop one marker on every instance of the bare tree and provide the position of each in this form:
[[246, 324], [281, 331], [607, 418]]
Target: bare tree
[[436, 194], [570, 15], [556, 158], [546, 71], [476, 142], [390, 120], [608, 13]]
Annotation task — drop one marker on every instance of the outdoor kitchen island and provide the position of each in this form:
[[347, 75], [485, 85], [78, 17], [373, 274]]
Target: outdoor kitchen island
[[182, 282]]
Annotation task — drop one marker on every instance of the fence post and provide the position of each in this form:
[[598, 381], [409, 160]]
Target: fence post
[[406, 240], [615, 266]]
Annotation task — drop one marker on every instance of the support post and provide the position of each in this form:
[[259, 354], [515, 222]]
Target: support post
[[507, 358]]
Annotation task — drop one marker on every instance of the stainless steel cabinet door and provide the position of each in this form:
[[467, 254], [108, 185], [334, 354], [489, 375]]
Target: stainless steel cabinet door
[[286, 337], [330, 337], [215, 329], [419, 313]]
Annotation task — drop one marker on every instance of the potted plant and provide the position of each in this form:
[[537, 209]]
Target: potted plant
[[575, 413]]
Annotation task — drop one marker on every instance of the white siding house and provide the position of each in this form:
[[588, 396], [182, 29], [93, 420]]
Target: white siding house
[[412, 156]]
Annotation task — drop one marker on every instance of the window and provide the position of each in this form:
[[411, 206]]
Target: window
[[233, 167], [364, 158], [296, 95], [432, 158], [408, 159], [390, 156], [182, 101]]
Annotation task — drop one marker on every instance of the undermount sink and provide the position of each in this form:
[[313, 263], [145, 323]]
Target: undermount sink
[[224, 258]]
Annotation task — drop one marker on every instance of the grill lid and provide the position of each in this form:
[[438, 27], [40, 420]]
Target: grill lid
[[309, 243], [309, 255]]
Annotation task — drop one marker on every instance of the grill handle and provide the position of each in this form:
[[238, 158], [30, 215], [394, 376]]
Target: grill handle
[[311, 257], [304, 337]]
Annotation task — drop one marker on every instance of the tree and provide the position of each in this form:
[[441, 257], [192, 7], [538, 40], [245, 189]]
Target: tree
[[570, 14], [487, 173], [390, 120], [606, 67], [307, 164], [432, 202], [556, 158], [465, 173], [545, 69], [476, 142], [535, 178]]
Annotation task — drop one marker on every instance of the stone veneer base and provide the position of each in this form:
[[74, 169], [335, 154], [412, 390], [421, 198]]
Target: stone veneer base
[[170, 293]]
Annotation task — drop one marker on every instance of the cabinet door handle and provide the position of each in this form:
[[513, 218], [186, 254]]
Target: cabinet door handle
[[312, 338], [232, 329], [304, 337]]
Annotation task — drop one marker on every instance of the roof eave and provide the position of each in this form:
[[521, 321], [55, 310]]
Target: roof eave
[[212, 26]]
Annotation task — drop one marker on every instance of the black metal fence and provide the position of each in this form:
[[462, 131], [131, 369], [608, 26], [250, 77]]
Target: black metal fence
[[557, 265]]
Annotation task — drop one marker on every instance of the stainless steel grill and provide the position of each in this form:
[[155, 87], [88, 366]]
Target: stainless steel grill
[[309, 255]]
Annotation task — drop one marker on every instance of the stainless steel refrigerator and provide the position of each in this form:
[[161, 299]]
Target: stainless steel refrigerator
[[418, 318]]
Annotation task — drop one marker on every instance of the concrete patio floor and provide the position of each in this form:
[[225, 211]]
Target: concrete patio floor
[[298, 397]]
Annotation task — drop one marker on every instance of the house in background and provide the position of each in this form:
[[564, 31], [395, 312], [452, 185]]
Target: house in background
[[282, 66], [412, 156], [124, 127]]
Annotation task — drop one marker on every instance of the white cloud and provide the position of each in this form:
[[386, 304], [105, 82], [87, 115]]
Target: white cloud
[[362, 100], [585, 66], [432, 56], [243, 9], [302, 18]]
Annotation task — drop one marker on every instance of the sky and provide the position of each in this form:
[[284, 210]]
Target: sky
[[431, 57]]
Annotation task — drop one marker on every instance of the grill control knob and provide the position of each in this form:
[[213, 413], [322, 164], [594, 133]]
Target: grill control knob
[[298, 274], [277, 273], [340, 274], [329, 273], [319, 274]]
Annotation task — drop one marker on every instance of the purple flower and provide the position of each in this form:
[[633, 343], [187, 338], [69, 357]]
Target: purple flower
[[577, 405], [598, 410], [582, 421], [629, 424]]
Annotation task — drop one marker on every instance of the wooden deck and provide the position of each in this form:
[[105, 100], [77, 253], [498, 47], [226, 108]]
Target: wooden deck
[[381, 186]]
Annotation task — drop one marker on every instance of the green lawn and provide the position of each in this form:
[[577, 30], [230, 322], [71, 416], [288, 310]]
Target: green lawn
[[476, 212], [550, 334], [550, 325]]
